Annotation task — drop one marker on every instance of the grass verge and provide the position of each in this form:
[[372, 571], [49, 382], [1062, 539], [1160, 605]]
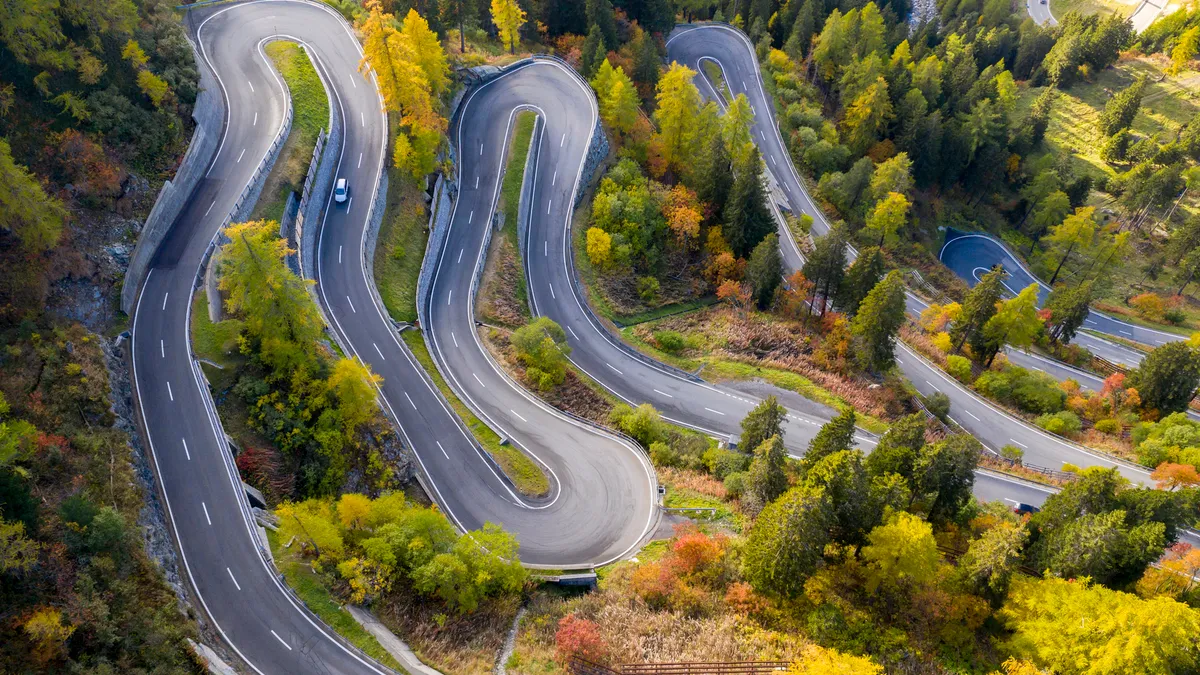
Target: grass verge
[[310, 114], [309, 587], [527, 476], [713, 71], [401, 247], [503, 293], [216, 342], [726, 369]]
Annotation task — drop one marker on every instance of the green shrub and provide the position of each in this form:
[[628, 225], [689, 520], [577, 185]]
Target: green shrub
[[1012, 453], [721, 463], [647, 289], [1108, 426], [959, 368], [735, 484], [1151, 453], [939, 405], [1175, 316], [1026, 390], [670, 341], [662, 454], [642, 423], [1063, 422]]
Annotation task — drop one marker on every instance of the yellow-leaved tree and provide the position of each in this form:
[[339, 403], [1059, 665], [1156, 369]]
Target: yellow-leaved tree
[[411, 72], [274, 302], [508, 17]]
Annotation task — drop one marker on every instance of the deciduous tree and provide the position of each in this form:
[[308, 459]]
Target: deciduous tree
[[25, 209], [977, 308], [677, 117], [1014, 323], [508, 17], [787, 541]]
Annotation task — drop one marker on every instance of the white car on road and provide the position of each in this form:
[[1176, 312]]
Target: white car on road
[[340, 191]]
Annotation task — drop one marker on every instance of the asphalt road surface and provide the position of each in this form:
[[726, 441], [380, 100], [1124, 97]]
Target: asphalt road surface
[[602, 502], [1039, 10]]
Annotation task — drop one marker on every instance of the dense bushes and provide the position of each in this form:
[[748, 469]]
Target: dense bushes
[[388, 544], [1028, 391]]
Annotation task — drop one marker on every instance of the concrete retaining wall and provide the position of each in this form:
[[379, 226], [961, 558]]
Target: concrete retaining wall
[[209, 115], [371, 238], [444, 194]]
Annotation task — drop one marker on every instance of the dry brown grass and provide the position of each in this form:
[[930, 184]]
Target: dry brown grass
[[574, 395], [768, 341], [450, 642], [689, 479], [634, 633], [918, 339], [499, 301]]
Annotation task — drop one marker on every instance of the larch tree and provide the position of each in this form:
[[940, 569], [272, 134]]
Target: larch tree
[[618, 99], [411, 70], [1015, 323], [878, 322], [887, 217], [677, 117], [508, 17], [977, 308], [1076, 627], [273, 301], [1069, 307], [862, 275], [34, 217], [735, 128], [1186, 46], [1075, 233], [354, 387], [867, 116], [901, 553]]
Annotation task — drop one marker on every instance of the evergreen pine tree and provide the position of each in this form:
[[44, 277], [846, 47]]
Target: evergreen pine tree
[[826, 266], [765, 270], [835, 436], [1122, 108], [897, 450], [747, 218], [766, 478], [1167, 378], [861, 277], [646, 61], [765, 421], [978, 307], [593, 52], [713, 179], [878, 321], [600, 13]]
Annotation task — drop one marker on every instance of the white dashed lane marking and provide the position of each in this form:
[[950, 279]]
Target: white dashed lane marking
[[614, 369], [277, 635], [715, 411], [378, 352], [410, 401], [517, 414], [239, 586], [443, 450]]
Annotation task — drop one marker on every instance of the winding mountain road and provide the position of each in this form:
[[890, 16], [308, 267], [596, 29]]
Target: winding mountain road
[[602, 500]]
